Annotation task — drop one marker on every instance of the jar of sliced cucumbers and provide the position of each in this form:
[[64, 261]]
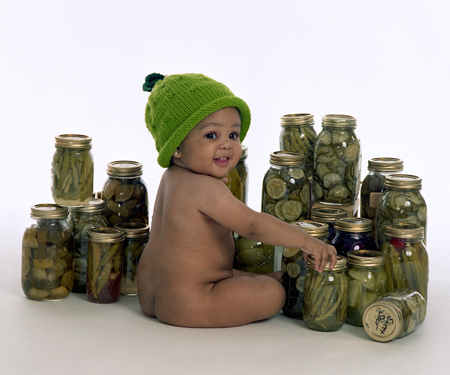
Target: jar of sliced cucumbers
[[237, 178], [328, 215], [253, 256]]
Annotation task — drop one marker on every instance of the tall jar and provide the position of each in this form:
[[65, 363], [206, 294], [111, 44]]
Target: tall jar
[[72, 170], [293, 269], [394, 315], [406, 258], [337, 161], [298, 135], [325, 296], [238, 177], [353, 233], [253, 256], [328, 215], [366, 279], [125, 193], [401, 202], [47, 254], [373, 185], [104, 265], [82, 219], [136, 237]]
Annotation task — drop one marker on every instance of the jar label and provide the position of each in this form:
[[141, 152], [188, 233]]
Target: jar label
[[373, 200]]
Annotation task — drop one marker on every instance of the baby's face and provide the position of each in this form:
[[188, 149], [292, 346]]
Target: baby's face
[[213, 146]]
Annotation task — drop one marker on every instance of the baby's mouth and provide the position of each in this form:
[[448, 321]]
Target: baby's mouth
[[223, 162]]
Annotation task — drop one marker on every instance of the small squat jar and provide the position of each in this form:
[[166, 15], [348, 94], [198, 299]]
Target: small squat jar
[[104, 265], [293, 269], [366, 279], [136, 237], [125, 193], [396, 314], [253, 256], [325, 297], [72, 170], [238, 177], [328, 215], [47, 254]]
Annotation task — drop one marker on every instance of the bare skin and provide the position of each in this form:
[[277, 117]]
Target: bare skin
[[185, 275]]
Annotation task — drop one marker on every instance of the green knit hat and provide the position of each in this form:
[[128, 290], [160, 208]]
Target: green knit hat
[[179, 102]]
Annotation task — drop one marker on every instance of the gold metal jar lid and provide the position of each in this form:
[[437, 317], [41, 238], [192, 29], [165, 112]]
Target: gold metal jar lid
[[286, 158], [79, 141], [124, 168], [49, 211], [365, 258], [327, 214], [105, 235], [403, 181], [385, 165], [341, 264], [353, 224], [244, 152], [339, 121], [383, 320], [404, 230], [311, 227], [297, 119], [95, 206], [133, 230]]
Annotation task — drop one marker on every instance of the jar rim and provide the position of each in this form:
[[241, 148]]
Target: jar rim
[[49, 211], [124, 168], [353, 224], [338, 120], [341, 264], [385, 164], [95, 205], [133, 229], [365, 258], [314, 228], [295, 119], [287, 158], [79, 141]]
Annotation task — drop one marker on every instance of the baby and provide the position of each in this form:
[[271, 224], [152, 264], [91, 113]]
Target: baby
[[185, 274]]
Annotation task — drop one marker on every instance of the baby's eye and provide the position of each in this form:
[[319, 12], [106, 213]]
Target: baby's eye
[[210, 135], [234, 136]]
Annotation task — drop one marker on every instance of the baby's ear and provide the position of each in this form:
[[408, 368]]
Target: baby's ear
[[177, 153]]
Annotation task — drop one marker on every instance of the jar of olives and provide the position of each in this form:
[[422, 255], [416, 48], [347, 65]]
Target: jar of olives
[[325, 296], [47, 254], [72, 170], [298, 135], [366, 279], [253, 256], [82, 219], [238, 177], [373, 185], [293, 269], [394, 315], [328, 215], [401, 202], [136, 237], [337, 161], [125, 193], [406, 258]]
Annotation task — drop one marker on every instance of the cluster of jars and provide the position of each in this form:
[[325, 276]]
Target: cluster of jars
[[80, 243]]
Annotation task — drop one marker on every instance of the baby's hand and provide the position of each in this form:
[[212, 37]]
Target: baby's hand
[[322, 253]]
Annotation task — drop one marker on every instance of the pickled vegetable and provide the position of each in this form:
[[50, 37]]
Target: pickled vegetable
[[132, 251], [253, 256], [237, 178]]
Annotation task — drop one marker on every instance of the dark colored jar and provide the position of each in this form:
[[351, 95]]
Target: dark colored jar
[[328, 215], [353, 233]]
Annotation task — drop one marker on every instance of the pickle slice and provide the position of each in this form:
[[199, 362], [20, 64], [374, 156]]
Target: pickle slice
[[276, 188], [300, 283], [290, 252], [293, 269], [291, 209], [277, 209]]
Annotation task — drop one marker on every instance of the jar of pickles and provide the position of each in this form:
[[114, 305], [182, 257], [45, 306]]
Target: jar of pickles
[[353, 233], [82, 219], [328, 215], [337, 161], [285, 192], [104, 264], [136, 237], [373, 185], [253, 256], [238, 177], [72, 170], [125, 193], [401, 202], [298, 135], [325, 296], [366, 279], [406, 258], [394, 315], [293, 269], [47, 254]]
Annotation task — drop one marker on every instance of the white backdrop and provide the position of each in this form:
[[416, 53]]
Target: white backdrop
[[78, 67]]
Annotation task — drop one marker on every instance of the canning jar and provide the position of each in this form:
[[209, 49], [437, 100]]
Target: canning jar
[[337, 161], [253, 256], [401, 202], [125, 193], [366, 279], [298, 135], [286, 188], [238, 177], [353, 233], [47, 254], [82, 219], [136, 237], [406, 258], [373, 185], [293, 269], [394, 315], [325, 296], [104, 265], [328, 215]]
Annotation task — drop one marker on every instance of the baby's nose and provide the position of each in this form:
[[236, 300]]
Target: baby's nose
[[226, 143]]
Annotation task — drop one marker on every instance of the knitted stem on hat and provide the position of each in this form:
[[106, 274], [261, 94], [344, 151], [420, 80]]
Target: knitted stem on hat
[[150, 81]]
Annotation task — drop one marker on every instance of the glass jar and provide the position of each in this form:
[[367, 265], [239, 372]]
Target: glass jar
[[285, 191], [125, 193], [366, 279], [328, 215], [136, 237], [253, 256], [238, 177], [353, 233], [406, 258], [373, 185], [401, 202], [394, 315], [298, 135], [47, 254], [72, 170], [82, 219], [293, 269], [104, 264], [337, 161], [325, 296]]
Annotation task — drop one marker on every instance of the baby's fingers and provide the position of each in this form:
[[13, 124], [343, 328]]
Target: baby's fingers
[[321, 262], [332, 254]]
